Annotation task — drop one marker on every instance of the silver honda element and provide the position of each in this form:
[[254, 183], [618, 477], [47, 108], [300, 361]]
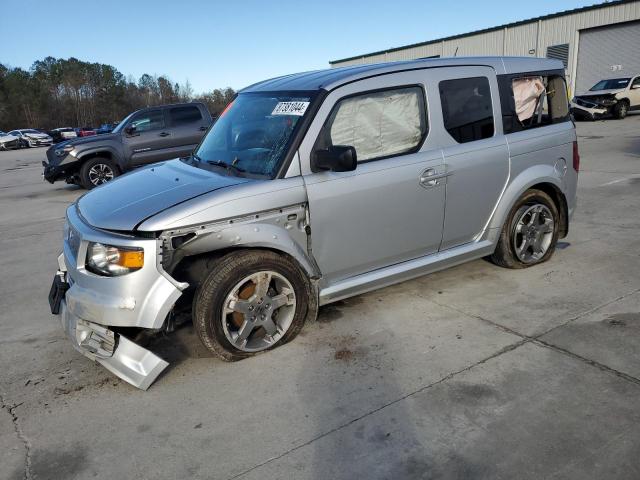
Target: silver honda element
[[315, 187]]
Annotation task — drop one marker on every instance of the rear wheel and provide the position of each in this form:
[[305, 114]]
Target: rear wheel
[[621, 109], [251, 301], [530, 233], [96, 171]]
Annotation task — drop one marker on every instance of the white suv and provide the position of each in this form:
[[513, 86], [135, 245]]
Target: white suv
[[614, 96]]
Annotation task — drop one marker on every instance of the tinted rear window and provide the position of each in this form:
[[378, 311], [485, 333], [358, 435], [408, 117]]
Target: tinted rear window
[[184, 115], [466, 108]]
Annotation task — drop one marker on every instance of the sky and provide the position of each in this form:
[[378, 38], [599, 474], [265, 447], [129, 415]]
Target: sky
[[233, 43]]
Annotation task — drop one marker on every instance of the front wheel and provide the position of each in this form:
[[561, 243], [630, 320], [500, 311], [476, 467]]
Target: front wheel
[[96, 171], [251, 301], [620, 110], [530, 234]]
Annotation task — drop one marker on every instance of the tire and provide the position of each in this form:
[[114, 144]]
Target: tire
[[222, 324], [96, 171], [522, 228], [620, 110]]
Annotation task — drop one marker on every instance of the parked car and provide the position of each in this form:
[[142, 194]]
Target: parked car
[[62, 134], [614, 96], [85, 132], [8, 141], [30, 137], [145, 136], [315, 187], [106, 128]]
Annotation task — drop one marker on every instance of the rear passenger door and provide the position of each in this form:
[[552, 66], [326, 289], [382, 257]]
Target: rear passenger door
[[475, 151], [187, 126]]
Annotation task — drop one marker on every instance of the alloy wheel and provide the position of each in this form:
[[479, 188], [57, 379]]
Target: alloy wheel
[[100, 173], [533, 233], [258, 311]]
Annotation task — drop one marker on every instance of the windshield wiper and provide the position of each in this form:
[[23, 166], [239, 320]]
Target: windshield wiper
[[225, 165]]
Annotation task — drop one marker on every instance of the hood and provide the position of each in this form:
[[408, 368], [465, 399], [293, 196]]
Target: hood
[[36, 135], [127, 201], [596, 93], [7, 138], [92, 138]]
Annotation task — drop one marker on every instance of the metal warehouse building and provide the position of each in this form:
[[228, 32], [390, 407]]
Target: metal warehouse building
[[595, 42]]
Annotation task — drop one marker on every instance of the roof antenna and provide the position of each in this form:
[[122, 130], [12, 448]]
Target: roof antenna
[[456, 52]]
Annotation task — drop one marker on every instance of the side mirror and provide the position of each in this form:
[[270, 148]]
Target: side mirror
[[130, 130], [635, 87], [339, 158]]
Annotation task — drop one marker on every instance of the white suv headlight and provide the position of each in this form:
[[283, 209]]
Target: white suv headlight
[[111, 261]]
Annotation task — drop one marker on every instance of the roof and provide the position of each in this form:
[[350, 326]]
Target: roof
[[334, 77], [487, 30]]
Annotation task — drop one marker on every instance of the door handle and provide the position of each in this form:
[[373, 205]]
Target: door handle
[[428, 178], [164, 134], [431, 178]]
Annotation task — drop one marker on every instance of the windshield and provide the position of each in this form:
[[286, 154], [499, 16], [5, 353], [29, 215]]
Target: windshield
[[254, 133], [122, 123], [30, 131], [611, 84]]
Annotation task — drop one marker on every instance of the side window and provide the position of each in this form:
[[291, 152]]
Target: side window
[[538, 101], [184, 115], [377, 124], [466, 108], [148, 121]]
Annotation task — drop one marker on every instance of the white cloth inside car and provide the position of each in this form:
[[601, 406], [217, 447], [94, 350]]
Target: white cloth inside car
[[526, 92], [379, 124]]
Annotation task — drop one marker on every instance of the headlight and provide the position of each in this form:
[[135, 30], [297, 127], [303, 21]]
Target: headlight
[[112, 261], [61, 152]]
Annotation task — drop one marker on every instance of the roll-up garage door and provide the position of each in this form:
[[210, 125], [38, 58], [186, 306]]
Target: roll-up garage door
[[608, 52]]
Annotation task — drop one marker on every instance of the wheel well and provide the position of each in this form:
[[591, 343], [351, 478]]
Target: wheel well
[[101, 154], [561, 204], [194, 268]]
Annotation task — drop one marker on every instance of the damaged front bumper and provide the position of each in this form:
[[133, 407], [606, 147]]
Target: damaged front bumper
[[93, 308], [116, 353], [589, 110]]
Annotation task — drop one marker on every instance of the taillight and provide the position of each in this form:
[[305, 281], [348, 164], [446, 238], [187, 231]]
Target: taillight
[[576, 157]]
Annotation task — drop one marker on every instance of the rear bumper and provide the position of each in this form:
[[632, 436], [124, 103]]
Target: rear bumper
[[116, 353]]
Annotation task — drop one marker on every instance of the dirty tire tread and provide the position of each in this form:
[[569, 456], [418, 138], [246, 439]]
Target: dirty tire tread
[[504, 254], [227, 272], [86, 166]]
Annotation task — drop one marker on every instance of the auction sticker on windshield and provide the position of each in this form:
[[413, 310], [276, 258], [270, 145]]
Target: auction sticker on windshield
[[290, 108]]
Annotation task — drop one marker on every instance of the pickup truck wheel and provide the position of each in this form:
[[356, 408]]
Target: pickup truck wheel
[[251, 301], [530, 233], [621, 109], [96, 171]]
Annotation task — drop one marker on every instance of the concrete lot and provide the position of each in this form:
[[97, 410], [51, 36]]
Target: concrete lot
[[474, 372]]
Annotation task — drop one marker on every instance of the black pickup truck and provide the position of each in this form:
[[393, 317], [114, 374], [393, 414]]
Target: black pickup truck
[[145, 136]]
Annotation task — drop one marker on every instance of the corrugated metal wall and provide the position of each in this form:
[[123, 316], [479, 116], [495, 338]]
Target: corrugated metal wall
[[519, 40], [609, 52]]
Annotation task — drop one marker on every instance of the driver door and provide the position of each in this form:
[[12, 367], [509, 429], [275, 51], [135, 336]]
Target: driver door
[[150, 140], [390, 209]]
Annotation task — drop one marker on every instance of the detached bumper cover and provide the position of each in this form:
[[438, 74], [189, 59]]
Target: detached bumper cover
[[588, 109], [92, 305], [116, 353]]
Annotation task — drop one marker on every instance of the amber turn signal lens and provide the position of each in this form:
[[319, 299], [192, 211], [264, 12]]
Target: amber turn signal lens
[[131, 259]]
